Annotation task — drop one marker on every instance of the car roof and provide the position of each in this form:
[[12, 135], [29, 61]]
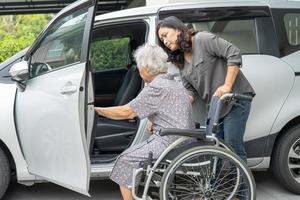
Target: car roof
[[152, 10]]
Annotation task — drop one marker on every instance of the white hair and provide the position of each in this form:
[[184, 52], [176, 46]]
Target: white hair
[[152, 57]]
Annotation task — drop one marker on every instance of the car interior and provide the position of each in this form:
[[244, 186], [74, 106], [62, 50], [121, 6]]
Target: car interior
[[116, 82]]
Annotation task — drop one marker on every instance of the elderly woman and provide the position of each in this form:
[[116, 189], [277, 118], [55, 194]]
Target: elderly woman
[[166, 104]]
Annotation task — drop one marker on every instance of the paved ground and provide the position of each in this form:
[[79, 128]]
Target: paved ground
[[267, 189]]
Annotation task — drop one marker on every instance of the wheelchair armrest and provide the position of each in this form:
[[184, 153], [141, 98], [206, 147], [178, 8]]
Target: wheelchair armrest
[[195, 133]]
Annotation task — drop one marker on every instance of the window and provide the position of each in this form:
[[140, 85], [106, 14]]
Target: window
[[241, 33], [287, 29], [56, 49], [61, 45], [109, 53], [292, 27], [236, 24]]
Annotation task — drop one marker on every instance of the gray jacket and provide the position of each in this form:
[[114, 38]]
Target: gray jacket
[[208, 68]]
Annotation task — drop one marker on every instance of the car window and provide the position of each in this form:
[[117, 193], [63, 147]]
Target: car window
[[109, 53], [61, 46], [292, 28], [287, 29], [241, 33]]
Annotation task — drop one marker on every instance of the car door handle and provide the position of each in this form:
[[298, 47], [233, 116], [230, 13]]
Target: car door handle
[[68, 89]]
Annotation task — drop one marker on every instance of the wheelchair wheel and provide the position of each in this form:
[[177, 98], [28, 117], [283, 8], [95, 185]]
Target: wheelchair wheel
[[225, 146], [207, 173]]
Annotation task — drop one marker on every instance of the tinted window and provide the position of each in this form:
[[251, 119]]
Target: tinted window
[[62, 44], [241, 33], [292, 28], [287, 29], [250, 28], [109, 53]]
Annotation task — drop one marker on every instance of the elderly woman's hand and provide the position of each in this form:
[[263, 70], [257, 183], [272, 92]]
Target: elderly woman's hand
[[150, 126], [116, 112], [192, 99]]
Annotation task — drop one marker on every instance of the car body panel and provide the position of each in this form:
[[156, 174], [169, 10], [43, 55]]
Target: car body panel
[[291, 108], [283, 3], [209, 4], [90, 109], [51, 112], [293, 61], [150, 10], [269, 98], [50, 128], [8, 133]]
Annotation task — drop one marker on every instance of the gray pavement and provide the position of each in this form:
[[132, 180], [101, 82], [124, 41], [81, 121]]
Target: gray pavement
[[267, 189]]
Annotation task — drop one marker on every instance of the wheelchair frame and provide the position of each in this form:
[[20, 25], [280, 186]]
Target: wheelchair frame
[[201, 134]]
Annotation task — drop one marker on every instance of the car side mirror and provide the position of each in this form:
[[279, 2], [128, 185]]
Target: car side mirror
[[19, 73]]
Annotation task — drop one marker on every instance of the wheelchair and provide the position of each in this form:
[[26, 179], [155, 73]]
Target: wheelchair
[[206, 169]]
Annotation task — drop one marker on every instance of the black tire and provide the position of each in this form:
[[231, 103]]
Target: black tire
[[4, 173], [283, 158], [207, 152]]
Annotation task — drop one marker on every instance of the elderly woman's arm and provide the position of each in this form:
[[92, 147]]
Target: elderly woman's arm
[[117, 112]]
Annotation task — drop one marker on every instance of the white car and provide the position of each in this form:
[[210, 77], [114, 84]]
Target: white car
[[49, 131]]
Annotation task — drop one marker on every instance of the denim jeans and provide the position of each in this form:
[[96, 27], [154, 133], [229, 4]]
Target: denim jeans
[[232, 130], [232, 127]]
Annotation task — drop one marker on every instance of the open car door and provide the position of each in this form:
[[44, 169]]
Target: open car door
[[51, 112]]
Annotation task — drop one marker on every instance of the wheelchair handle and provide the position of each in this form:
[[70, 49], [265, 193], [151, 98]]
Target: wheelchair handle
[[237, 96], [228, 97], [242, 97]]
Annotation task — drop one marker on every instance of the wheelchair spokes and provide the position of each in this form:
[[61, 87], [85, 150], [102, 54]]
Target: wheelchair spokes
[[206, 175]]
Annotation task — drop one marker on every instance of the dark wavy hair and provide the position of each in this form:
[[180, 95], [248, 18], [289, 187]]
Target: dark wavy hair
[[184, 40]]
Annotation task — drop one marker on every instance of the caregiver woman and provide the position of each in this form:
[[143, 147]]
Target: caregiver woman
[[209, 65]]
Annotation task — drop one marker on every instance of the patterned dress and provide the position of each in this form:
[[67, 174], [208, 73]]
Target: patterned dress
[[166, 104]]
